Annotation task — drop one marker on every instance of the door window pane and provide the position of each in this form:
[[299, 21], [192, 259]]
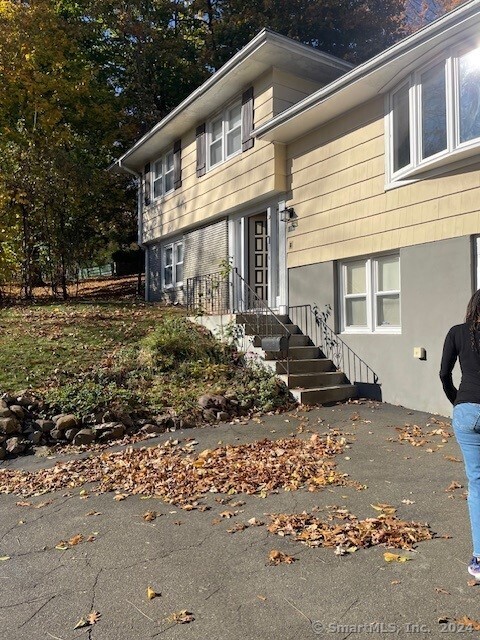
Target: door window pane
[[356, 277], [388, 310], [469, 95], [388, 273], [356, 311], [401, 128], [434, 111]]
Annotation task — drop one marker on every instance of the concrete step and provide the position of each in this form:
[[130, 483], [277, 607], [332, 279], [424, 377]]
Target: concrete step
[[325, 395], [252, 318], [303, 366], [314, 380], [295, 353], [296, 340], [263, 328]]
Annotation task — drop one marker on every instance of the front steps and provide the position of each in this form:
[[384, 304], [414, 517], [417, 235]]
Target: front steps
[[310, 377]]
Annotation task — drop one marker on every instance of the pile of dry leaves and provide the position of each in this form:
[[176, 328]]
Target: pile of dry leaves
[[347, 533], [179, 476]]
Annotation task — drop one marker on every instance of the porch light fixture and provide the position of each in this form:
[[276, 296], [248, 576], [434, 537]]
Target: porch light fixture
[[286, 213]]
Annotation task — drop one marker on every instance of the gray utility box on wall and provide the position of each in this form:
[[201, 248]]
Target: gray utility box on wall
[[275, 344]]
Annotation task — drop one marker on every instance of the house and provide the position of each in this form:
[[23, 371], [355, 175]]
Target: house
[[356, 188]]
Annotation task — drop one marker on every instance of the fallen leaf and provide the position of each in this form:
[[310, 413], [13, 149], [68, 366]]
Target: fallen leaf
[[181, 617], [93, 617], [468, 623], [452, 458], [395, 582], [263, 598], [62, 546], [442, 590], [239, 526], [472, 582], [384, 508], [276, 557], [394, 557], [255, 523], [227, 514], [149, 516], [4, 558], [120, 496], [75, 540], [454, 485], [408, 501], [83, 622], [151, 593], [23, 503]]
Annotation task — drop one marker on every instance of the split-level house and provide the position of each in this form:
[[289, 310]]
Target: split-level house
[[352, 190]]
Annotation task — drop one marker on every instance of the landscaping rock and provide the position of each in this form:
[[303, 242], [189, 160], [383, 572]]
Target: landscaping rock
[[3, 404], [70, 434], [26, 400], [45, 425], [14, 446], [84, 436], [56, 434], [222, 416], [35, 437], [6, 413], [117, 432], [18, 411], [9, 425], [109, 427], [210, 415], [126, 420], [65, 422], [3, 453], [152, 428], [57, 417]]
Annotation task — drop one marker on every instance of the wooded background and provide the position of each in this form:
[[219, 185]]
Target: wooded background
[[80, 81]]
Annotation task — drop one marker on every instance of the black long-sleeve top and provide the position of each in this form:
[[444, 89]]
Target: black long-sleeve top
[[458, 344]]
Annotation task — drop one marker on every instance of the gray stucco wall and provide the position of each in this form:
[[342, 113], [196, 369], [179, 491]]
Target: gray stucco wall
[[436, 284]]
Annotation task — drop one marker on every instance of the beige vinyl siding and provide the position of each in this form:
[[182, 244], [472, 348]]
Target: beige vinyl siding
[[242, 180], [337, 182], [289, 89]]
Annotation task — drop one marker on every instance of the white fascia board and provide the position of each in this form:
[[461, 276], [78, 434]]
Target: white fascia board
[[247, 64], [368, 79]]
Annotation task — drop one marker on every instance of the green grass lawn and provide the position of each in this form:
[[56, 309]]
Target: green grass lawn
[[83, 357], [37, 342]]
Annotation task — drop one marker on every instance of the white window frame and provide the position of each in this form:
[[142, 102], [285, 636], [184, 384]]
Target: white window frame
[[173, 265], [163, 176], [455, 151], [372, 294], [223, 117]]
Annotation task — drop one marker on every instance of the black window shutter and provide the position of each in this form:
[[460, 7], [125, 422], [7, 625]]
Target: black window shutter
[[201, 150], [177, 164], [146, 184], [247, 119]]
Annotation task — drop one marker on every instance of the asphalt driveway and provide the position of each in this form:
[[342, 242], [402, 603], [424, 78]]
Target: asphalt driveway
[[224, 579]]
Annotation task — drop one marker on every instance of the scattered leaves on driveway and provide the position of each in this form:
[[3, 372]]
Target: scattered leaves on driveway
[[151, 593], [259, 467], [88, 621], [351, 533]]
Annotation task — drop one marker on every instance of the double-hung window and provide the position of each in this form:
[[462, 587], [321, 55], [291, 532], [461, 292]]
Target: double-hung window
[[163, 175], [173, 265], [370, 294], [434, 115], [225, 135]]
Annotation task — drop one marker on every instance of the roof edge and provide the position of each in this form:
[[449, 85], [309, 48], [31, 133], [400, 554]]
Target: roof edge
[[253, 45], [463, 11]]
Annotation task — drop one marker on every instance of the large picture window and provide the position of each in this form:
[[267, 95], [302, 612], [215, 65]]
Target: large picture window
[[172, 265], [435, 114], [370, 294]]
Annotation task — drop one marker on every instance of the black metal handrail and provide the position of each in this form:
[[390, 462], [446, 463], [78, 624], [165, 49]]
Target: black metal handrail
[[312, 322], [228, 292]]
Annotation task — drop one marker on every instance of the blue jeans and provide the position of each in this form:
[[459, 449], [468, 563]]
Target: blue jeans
[[466, 426]]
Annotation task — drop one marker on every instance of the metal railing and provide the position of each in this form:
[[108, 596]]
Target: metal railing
[[228, 292], [312, 322]]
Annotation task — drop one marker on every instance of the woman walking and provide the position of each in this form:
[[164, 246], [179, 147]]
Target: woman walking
[[463, 342]]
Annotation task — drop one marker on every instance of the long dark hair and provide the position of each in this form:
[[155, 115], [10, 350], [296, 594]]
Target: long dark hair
[[472, 317]]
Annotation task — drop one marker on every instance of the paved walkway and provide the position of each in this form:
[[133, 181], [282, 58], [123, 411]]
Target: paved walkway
[[224, 579]]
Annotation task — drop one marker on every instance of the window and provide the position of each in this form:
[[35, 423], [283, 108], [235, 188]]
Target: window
[[173, 265], [435, 115], [370, 295], [225, 135], [163, 175]]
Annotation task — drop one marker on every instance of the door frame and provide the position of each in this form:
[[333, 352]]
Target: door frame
[[277, 254]]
